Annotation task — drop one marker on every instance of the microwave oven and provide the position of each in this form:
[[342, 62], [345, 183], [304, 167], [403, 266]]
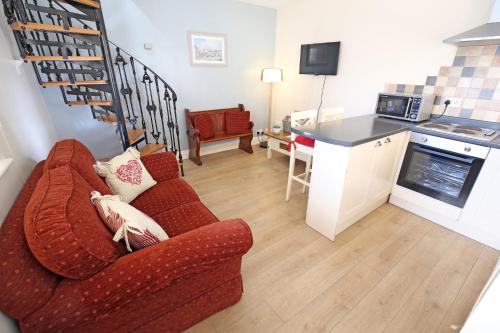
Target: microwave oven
[[405, 107]]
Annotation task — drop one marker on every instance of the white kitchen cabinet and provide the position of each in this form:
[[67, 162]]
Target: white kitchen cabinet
[[347, 183], [480, 218]]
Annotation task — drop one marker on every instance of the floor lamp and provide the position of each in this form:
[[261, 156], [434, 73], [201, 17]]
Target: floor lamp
[[270, 76]]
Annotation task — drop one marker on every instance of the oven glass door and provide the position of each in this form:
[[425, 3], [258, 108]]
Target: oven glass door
[[442, 175], [397, 106]]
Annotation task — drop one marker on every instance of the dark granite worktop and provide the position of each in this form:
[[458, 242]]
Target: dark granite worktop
[[354, 131]]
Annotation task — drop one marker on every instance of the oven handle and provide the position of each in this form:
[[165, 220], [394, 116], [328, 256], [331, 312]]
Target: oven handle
[[469, 160]]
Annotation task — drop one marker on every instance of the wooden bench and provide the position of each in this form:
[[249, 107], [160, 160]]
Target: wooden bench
[[219, 121]]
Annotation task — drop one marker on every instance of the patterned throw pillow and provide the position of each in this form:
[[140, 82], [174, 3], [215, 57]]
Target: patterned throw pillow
[[204, 124], [126, 175], [127, 222], [237, 122]]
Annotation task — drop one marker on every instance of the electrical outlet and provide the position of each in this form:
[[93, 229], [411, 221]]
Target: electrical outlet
[[260, 131], [455, 102]]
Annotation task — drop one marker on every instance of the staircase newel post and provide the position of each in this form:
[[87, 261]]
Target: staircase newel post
[[115, 93]]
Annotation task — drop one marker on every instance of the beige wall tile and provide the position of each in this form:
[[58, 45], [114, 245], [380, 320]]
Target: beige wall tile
[[390, 88], [496, 61], [452, 81], [478, 114], [473, 93], [490, 116], [461, 92], [449, 92], [464, 82], [483, 105], [490, 84], [481, 72], [472, 61], [485, 61], [477, 83], [437, 109], [494, 106], [441, 81], [469, 103], [453, 112], [409, 88], [494, 72], [489, 50], [429, 90], [454, 71], [469, 51]]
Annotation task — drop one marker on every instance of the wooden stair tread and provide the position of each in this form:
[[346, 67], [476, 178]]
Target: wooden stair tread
[[50, 27], [77, 83], [151, 148], [60, 58], [92, 103], [135, 135], [89, 3]]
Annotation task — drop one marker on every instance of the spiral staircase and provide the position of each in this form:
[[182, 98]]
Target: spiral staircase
[[66, 43]]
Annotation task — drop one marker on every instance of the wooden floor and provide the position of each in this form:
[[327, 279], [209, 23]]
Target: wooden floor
[[390, 272]]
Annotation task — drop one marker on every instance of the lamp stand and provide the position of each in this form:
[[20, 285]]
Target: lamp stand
[[263, 144]]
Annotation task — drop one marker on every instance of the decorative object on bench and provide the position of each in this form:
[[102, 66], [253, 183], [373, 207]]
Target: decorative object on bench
[[226, 124], [305, 146], [126, 175], [128, 223], [64, 273], [271, 76]]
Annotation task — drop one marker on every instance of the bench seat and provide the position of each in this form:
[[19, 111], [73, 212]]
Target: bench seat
[[218, 117]]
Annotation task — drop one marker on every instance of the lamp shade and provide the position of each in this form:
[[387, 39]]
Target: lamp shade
[[272, 75]]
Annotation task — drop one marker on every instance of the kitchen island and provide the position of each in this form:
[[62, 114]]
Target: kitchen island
[[354, 169]]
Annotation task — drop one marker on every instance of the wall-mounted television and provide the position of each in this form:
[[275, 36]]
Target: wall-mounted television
[[319, 59]]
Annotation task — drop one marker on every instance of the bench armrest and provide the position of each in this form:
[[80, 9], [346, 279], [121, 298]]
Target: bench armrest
[[149, 270], [161, 166]]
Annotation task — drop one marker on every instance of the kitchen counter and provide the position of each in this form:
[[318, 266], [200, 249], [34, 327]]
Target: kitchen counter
[[350, 132], [354, 131]]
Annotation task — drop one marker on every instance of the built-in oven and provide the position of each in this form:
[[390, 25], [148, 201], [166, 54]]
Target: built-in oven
[[441, 168]]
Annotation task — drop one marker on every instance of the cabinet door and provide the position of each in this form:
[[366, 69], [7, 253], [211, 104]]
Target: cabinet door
[[387, 156], [357, 180]]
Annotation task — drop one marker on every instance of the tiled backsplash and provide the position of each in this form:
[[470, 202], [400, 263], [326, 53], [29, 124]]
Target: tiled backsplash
[[473, 78]]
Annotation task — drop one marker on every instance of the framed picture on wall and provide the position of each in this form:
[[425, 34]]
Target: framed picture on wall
[[207, 49]]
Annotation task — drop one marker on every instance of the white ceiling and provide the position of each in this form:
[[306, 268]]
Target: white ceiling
[[267, 3]]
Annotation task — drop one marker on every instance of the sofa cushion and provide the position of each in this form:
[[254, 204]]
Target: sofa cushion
[[63, 229], [165, 196], [73, 153], [128, 223], [237, 122], [126, 175], [204, 124], [185, 218]]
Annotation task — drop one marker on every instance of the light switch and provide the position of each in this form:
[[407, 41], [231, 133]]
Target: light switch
[[148, 46]]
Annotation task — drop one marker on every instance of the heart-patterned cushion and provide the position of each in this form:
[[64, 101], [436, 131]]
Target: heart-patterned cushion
[[126, 175], [130, 172]]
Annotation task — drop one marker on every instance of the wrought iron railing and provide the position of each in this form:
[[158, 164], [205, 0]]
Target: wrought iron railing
[[67, 45]]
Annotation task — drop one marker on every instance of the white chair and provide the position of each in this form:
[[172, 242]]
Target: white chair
[[301, 118]]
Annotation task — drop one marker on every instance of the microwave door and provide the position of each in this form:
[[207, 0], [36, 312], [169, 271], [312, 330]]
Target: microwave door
[[396, 106]]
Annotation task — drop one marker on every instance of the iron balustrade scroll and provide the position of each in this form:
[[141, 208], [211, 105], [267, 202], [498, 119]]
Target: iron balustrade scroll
[[148, 101]]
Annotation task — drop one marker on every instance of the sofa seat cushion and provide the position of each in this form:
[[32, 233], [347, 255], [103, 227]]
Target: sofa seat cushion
[[64, 230], [76, 155], [165, 196], [183, 218]]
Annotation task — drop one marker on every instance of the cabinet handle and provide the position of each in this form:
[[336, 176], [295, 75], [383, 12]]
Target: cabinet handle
[[388, 140], [378, 144]]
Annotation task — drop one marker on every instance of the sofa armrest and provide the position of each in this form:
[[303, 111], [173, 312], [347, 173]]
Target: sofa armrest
[[162, 166], [149, 270]]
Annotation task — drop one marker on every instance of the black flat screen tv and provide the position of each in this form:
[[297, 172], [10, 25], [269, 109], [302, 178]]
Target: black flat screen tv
[[319, 59]]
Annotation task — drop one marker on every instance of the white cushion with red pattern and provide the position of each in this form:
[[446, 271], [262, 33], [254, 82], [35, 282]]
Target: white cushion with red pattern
[[126, 175], [127, 222]]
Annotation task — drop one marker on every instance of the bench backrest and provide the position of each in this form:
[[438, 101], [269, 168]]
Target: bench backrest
[[218, 117]]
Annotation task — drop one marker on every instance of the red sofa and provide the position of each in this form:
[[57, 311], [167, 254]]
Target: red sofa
[[60, 271]]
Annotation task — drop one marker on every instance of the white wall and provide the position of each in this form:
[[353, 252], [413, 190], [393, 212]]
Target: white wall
[[390, 41], [250, 40], [28, 132]]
